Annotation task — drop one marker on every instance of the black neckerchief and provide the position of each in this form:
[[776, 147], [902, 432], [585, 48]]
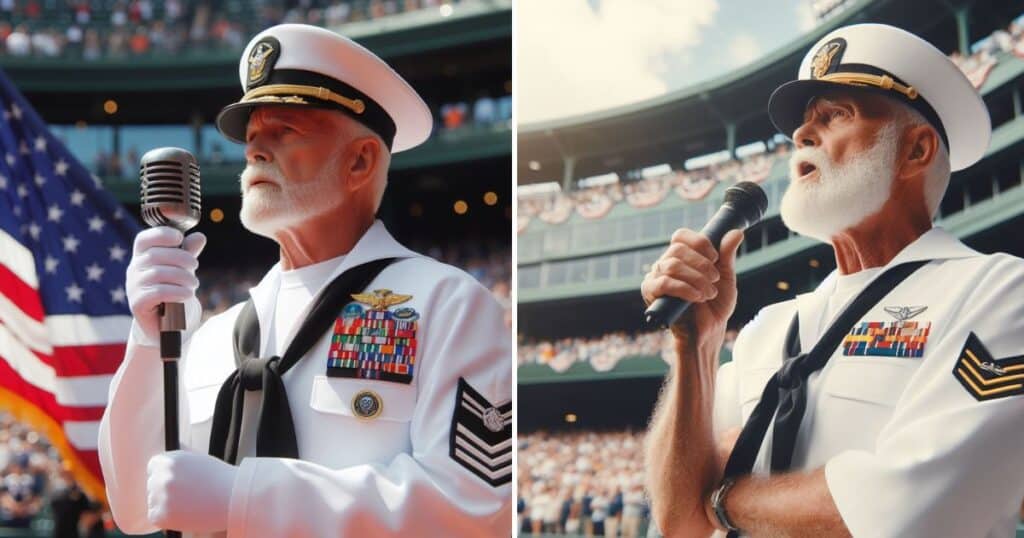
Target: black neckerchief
[[275, 433], [785, 394]]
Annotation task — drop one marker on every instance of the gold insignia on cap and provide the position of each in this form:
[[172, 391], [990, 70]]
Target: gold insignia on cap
[[381, 299], [258, 60], [823, 58], [367, 404]]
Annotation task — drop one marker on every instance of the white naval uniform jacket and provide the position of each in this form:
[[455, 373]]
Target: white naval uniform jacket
[[391, 475], [908, 451]]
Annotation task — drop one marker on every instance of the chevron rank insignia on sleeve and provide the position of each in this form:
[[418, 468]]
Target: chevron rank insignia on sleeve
[[481, 436], [985, 377]]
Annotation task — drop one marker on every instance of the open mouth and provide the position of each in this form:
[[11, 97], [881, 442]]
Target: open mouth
[[806, 170]]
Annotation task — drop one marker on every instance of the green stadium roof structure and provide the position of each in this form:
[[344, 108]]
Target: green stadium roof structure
[[695, 120]]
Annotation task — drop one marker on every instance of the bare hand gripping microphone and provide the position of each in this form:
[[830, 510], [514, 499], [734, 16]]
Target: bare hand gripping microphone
[[170, 197], [744, 205]]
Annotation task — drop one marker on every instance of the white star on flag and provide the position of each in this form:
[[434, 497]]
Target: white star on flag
[[40, 180], [96, 224], [96, 179], [40, 143], [3, 182], [10, 159], [22, 191], [74, 293], [61, 167], [77, 197], [95, 272], [70, 243], [117, 253], [34, 230], [117, 296], [15, 111], [51, 264], [54, 213]]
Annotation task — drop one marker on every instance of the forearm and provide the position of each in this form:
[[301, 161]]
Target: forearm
[[680, 450], [792, 505], [131, 432]]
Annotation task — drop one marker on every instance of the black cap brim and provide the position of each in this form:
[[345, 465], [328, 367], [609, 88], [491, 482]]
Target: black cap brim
[[788, 103], [233, 120]]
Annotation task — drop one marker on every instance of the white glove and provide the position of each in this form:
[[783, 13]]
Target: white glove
[[189, 491], [161, 272]]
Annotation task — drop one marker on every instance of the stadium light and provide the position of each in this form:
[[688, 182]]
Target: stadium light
[[461, 207], [782, 285], [216, 214], [570, 417], [490, 198], [534, 165], [110, 106], [814, 263], [446, 10]]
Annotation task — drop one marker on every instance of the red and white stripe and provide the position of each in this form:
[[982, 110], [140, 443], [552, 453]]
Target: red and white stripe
[[61, 363]]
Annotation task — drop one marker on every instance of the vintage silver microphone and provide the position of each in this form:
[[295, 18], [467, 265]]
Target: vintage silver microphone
[[170, 197]]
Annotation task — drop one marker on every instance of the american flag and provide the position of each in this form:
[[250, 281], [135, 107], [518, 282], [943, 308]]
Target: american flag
[[64, 319]]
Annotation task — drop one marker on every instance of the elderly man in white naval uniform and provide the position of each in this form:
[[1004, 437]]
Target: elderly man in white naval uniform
[[910, 422], [398, 415]]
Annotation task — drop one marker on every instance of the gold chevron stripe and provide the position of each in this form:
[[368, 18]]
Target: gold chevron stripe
[[282, 90], [989, 382], [982, 392], [1015, 368]]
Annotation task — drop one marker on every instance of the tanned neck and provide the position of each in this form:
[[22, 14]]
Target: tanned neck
[[323, 237], [880, 237]]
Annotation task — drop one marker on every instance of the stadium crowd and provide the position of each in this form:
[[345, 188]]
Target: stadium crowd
[[585, 483], [131, 28], [604, 352], [33, 481]]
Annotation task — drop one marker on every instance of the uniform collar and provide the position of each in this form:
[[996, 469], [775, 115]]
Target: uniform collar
[[935, 244], [375, 244]]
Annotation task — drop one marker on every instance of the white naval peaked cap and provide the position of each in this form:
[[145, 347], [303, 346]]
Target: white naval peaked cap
[[303, 65], [893, 62]]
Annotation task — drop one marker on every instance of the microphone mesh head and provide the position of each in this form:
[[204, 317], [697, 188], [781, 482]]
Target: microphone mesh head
[[170, 188], [748, 199]]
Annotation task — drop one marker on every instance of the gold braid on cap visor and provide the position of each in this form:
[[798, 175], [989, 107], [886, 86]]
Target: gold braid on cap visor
[[860, 79], [281, 92]]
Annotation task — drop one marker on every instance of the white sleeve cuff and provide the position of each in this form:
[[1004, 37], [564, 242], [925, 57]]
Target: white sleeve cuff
[[238, 508]]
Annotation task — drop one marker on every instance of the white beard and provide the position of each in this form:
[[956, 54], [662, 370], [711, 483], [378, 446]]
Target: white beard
[[843, 195], [268, 209]]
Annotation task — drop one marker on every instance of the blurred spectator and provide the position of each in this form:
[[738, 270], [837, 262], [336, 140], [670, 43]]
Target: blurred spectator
[[453, 115], [32, 476], [604, 352], [582, 483]]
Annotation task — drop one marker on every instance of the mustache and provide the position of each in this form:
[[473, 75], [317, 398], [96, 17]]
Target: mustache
[[255, 171], [813, 155]]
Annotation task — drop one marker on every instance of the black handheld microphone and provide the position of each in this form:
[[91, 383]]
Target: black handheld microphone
[[170, 197], [745, 204]]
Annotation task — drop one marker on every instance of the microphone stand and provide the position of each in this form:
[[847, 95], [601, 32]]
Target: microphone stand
[[172, 323]]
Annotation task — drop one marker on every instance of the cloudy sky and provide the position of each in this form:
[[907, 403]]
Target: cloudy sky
[[578, 56]]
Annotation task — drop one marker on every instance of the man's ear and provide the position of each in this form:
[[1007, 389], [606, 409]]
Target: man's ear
[[365, 158], [921, 145]]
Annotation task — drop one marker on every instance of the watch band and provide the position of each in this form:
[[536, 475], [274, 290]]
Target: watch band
[[718, 504]]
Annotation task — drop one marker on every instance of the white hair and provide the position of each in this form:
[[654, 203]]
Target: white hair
[[936, 177]]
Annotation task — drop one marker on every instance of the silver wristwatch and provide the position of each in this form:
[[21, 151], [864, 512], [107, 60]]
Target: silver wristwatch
[[718, 504]]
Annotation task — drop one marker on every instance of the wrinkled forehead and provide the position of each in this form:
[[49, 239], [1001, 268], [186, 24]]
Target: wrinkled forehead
[[867, 103], [295, 115]]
